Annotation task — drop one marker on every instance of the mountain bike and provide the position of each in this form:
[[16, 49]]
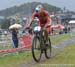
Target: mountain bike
[[41, 43]]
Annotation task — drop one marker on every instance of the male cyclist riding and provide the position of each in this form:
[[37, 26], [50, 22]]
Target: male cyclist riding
[[43, 16]]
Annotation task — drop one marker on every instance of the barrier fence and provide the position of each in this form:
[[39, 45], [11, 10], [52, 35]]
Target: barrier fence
[[25, 43]]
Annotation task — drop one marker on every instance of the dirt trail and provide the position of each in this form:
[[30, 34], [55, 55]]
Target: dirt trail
[[55, 51]]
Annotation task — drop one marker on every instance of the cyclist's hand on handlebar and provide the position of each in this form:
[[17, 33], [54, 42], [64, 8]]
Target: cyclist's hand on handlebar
[[47, 25], [27, 27]]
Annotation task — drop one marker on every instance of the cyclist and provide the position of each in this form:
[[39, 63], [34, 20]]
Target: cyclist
[[43, 16]]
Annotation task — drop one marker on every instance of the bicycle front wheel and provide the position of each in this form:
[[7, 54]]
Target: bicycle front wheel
[[48, 49], [36, 49]]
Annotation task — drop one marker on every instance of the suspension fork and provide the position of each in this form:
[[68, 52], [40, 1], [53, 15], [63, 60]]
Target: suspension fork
[[42, 40]]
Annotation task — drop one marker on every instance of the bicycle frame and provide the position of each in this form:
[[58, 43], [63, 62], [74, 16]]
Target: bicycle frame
[[42, 35]]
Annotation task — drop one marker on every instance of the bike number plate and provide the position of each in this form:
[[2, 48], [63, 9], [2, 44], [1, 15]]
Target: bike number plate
[[37, 29]]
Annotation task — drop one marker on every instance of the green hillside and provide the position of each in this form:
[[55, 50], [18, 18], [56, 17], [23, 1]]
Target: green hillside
[[27, 8]]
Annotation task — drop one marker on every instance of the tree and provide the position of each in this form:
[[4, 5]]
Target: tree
[[5, 24]]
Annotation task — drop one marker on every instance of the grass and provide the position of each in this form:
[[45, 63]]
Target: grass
[[13, 60], [58, 38], [64, 59]]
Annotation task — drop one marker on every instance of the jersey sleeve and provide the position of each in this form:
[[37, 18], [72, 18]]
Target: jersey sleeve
[[46, 13], [34, 15]]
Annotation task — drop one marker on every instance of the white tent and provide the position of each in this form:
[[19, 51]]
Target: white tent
[[72, 21]]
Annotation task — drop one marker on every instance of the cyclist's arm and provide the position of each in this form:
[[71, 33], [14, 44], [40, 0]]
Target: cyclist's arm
[[33, 16], [31, 21], [50, 20], [51, 16]]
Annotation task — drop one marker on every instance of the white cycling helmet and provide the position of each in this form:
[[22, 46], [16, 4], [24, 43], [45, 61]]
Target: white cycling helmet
[[37, 9]]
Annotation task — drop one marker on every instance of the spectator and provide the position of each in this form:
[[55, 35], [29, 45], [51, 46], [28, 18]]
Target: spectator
[[15, 37], [65, 30], [5, 33]]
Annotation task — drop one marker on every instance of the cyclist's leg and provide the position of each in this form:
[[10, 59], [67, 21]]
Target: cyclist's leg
[[48, 29]]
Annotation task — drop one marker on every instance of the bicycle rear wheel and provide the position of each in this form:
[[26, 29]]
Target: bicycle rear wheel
[[48, 49], [36, 49]]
